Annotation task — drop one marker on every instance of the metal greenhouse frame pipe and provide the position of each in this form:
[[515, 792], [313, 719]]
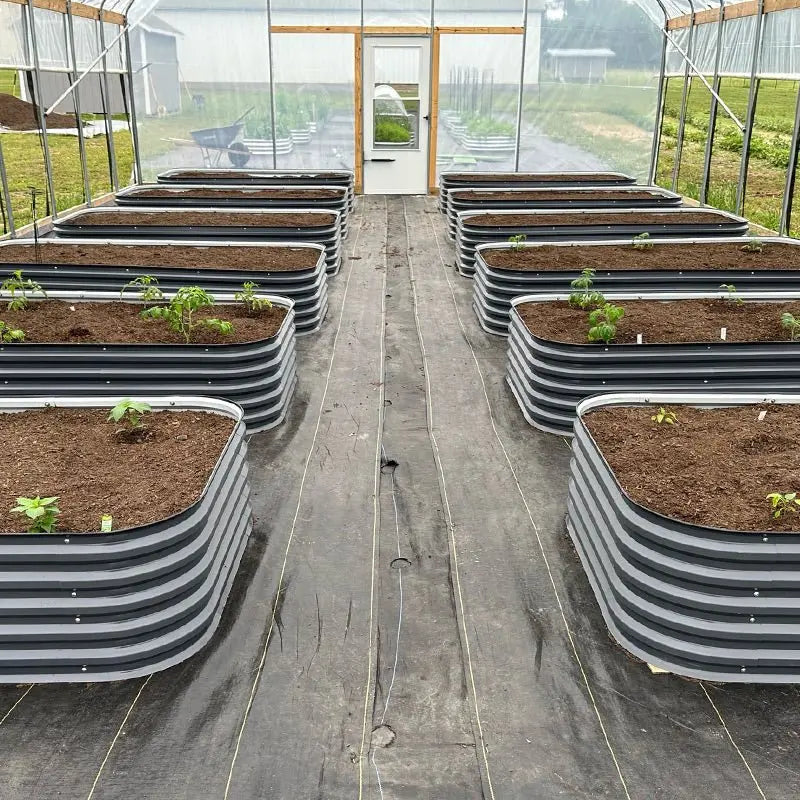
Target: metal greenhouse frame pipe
[[37, 79], [6, 195], [712, 114], [137, 163], [73, 57], [788, 192], [659, 120], [751, 109], [273, 124], [521, 83], [108, 103], [676, 165]]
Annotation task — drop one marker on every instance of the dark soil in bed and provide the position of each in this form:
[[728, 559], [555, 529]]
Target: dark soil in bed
[[250, 174], [521, 177], [55, 321], [79, 457], [724, 256], [665, 321], [17, 115], [240, 219], [263, 193], [712, 467], [270, 259], [639, 219], [576, 196]]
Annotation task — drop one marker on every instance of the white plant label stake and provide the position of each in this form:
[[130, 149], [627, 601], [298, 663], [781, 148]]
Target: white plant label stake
[[761, 415], [638, 338], [723, 334]]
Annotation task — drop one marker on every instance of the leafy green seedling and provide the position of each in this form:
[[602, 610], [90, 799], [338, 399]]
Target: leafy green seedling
[[642, 242], [733, 296], [18, 287], [584, 296], [518, 241], [603, 322], [664, 416], [790, 322], [9, 334], [783, 502], [147, 288], [130, 413], [753, 246], [41, 511], [249, 297], [180, 312]]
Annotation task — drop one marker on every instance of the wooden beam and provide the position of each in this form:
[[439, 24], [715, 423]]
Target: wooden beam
[[78, 10], [733, 11], [515, 29], [433, 128], [396, 30], [316, 29], [382, 30], [738, 10], [358, 103]]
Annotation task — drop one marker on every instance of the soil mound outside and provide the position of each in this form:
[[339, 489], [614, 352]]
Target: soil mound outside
[[17, 115]]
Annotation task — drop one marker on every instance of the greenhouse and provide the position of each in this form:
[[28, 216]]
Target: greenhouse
[[400, 399]]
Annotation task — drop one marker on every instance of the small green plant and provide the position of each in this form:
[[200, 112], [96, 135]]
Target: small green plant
[[9, 334], [19, 287], [783, 502], [147, 288], [753, 246], [790, 322], [518, 241], [130, 413], [584, 297], [733, 296], [642, 242], [249, 297], [41, 511], [180, 313], [664, 416], [603, 322]]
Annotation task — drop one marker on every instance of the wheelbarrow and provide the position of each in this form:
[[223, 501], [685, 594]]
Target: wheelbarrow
[[213, 142]]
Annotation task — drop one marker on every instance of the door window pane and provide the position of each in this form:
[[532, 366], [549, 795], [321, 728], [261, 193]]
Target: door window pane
[[395, 97]]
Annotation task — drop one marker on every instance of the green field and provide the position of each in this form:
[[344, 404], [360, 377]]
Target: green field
[[769, 149]]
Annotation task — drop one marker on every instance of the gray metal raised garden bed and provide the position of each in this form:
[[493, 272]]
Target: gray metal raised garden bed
[[324, 198], [259, 376], [557, 225], [265, 177], [109, 606], [549, 379], [214, 224], [703, 602], [306, 288], [531, 198], [496, 288], [503, 180]]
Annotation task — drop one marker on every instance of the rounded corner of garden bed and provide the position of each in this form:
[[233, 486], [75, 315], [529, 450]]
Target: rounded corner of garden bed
[[89, 601]]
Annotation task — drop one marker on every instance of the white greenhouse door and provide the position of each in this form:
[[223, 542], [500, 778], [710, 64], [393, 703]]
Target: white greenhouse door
[[396, 112]]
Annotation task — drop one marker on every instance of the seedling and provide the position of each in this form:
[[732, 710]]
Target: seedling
[[792, 324], [642, 242], [783, 503], [753, 246], [130, 413], [249, 297], [180, 312], [664, 416], [733, 296], [518, 241], [147, 288], [18, 287], [9, 334], [603, 322], [585, 297], [41, 511]]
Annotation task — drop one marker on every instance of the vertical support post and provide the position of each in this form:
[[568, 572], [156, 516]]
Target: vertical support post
[[37, 82], [73, 59], [433, 100], [107, 106], [676, 166], [6, 194], [788, 192], [358, 111], [659, 121], [716, 83], [272, 104], [137, 162], [752, 99], [520, 94]]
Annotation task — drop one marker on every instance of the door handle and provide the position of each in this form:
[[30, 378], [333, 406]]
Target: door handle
[[427, 118], [381, 160]]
